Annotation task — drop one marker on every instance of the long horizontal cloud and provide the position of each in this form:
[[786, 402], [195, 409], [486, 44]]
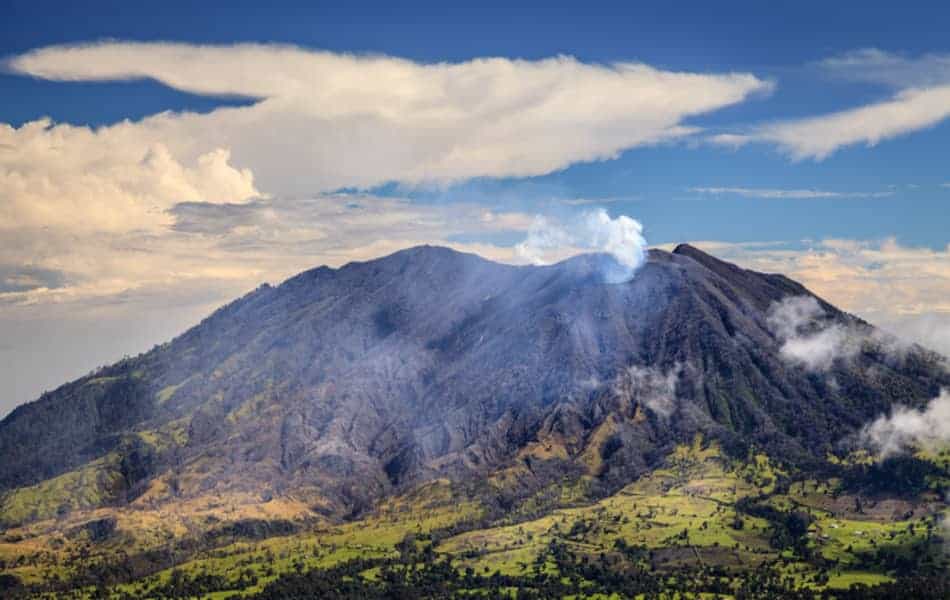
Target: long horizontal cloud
[[871, 65], [922, 101], [910, 110], [325, 121], [785, 194]]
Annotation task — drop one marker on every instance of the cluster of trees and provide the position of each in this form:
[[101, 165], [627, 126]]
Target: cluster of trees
[[557, 571], [789, 528], [902, 475], [626, 570]]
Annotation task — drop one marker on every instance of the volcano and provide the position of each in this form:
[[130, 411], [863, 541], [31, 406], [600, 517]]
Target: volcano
[[343, 386]]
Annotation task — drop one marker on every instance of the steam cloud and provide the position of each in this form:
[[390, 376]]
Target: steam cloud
[[651, 387], [907, 428], [811, 339], [797, 321], [621, 238]]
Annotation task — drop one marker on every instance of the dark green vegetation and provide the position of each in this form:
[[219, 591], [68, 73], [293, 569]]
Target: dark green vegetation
[[702, 525], [431, 424]]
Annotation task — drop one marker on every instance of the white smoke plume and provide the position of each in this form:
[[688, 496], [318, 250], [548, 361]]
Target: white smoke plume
[[651, 387], [806, 339], [595, 231], [908, 428]]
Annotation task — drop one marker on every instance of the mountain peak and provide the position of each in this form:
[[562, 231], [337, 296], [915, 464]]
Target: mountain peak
[[343, 385], [701, 257], [685, 248]]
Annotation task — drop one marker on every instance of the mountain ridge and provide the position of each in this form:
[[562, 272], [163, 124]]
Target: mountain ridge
[[343, 385]]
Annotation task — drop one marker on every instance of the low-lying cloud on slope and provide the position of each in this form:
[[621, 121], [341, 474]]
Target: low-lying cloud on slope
[[907, 428], [808, 338], [903, 289], [649, 386]]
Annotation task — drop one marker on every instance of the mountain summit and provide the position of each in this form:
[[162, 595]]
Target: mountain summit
[[340, 386]]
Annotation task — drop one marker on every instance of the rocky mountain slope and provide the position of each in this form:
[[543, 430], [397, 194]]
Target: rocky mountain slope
[[342, 386]]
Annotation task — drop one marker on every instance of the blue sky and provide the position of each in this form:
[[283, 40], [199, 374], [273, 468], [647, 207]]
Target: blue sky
[[781, 44], [837, 162]]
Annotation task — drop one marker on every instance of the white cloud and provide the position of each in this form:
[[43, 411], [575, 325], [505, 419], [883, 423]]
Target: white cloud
[[730, 140], [818, 137], [807, 337], [326, 121], [907, 428], [544, 238], [595, 231], [776, 193], [871, 65], [77, 179], [818, 351], [930, 330], [650, 387], [921, 100]]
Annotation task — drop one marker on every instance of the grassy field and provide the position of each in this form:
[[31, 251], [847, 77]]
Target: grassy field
[[701, 510]]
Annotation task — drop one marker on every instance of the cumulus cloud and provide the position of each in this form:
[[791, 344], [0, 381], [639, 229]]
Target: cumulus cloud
[[808, 336], [921, 100], [77, 179], [594, 231], [907, 428], [324, 121], [783, 194]]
